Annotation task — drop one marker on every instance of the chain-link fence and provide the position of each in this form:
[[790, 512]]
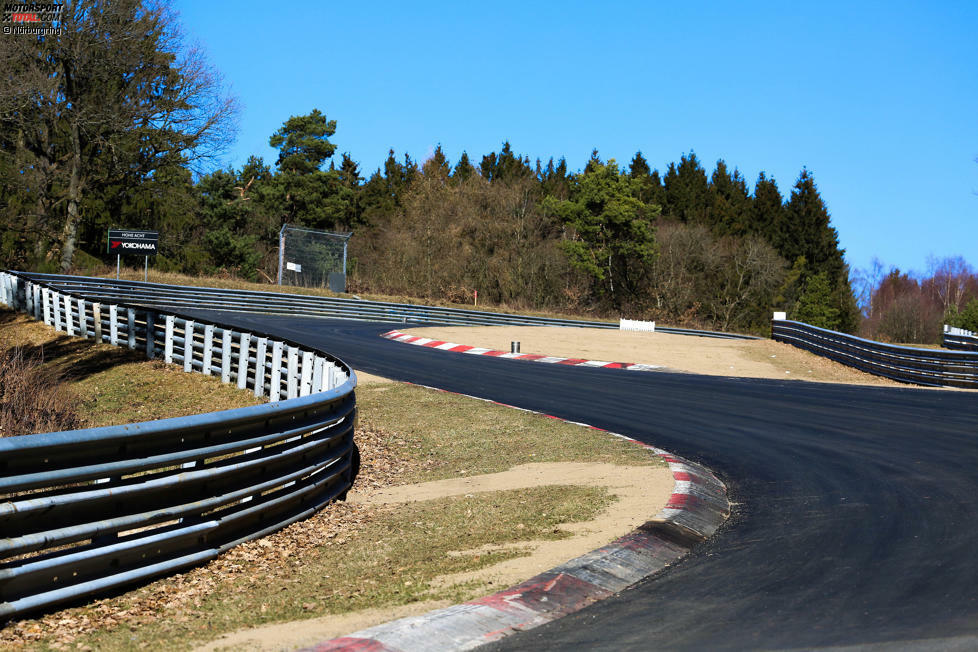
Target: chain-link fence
[[312, 259]]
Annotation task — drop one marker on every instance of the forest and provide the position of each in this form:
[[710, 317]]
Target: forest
[[93, 136]]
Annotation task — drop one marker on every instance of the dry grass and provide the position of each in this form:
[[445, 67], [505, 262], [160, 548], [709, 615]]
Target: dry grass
[[33, 398]]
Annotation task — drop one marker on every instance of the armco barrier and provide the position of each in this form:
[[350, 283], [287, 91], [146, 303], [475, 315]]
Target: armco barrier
[[87, 511], [906, 364], [959, 339], [177, 296]]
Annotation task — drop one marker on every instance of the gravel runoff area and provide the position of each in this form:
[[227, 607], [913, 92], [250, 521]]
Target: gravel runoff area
[[684, 353]]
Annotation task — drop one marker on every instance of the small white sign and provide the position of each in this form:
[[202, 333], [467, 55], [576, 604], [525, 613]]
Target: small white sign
[[293, 267], [633, 325], [780, 316]]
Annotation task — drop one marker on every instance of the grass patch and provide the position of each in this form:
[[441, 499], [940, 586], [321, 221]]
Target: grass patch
[[453, 435]]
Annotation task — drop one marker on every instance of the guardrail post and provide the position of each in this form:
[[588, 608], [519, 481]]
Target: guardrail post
[[275, 389], [226, 356], [305, 384], [82, 319], [97, 318], [291, 379], [317, 374], [46, 300], [69, 322], [56, 309], [37, 302], [330, 376], [244, 352], [168, 341], [208, 348], [188, 346], [131, 319], [150, 335], [261, 352], [114, 325]]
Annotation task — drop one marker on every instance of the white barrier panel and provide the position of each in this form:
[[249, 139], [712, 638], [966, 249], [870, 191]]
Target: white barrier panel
[[634, 325]]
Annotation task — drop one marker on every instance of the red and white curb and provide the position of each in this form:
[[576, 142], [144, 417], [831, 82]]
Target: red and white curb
[[398, 336], [696, 508]]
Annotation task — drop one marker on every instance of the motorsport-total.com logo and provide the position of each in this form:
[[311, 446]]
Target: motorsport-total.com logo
[[32, 18]]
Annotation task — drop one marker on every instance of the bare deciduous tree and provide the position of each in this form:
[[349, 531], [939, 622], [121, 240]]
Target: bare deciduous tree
[[115, 95]]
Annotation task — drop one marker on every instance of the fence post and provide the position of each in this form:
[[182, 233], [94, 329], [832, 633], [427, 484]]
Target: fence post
[[275, 390], [305, 385], [131, 318], [244, 352], [188, 346], [97, 318], [46, 299], [317, 374], [69, 322], [37, 301], [168, 341], [293, 373], [82, 319], [114, 325], [150, 335], [226, 356], [56, 308], [208, 348], [261, 351]]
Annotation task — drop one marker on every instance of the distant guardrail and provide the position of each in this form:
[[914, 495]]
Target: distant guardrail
[[178, 296], [932, 367], [87, 511], [959, 339]]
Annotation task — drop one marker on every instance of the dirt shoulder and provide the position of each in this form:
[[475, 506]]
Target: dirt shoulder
[[698, 355]]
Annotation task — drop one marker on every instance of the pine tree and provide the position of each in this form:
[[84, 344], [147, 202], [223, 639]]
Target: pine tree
[[815, 305], [463, 169], [730, 202], [437, 166], [687, 193], [767, 210]]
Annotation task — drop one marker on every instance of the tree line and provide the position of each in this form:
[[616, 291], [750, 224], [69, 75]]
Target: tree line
[[96, 136]]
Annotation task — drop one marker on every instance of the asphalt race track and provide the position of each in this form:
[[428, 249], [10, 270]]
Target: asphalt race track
[[856, 516]]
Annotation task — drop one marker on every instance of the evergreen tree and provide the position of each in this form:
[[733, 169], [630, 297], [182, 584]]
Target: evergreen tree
[[505, 166], [730, 209], [687, 192], [437, 166], [307, 194], [648, 184], [555, 180], [463, 169], [767, 210], [815, 305], [615, 240]]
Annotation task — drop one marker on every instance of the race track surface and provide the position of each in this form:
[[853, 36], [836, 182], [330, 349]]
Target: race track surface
[[856, 508]]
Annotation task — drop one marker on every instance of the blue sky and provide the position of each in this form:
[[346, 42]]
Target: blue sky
[[878, 100]]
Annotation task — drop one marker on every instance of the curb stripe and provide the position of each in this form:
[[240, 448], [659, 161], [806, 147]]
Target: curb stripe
[[398, 336], [694, 511]]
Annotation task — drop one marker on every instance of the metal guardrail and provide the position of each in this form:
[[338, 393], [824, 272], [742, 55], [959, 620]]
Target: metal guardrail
[[959, 339], [906, 364], [178, 296], [87, 511]]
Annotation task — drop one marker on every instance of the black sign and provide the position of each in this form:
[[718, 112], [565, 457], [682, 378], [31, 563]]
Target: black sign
[[142, 243]]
